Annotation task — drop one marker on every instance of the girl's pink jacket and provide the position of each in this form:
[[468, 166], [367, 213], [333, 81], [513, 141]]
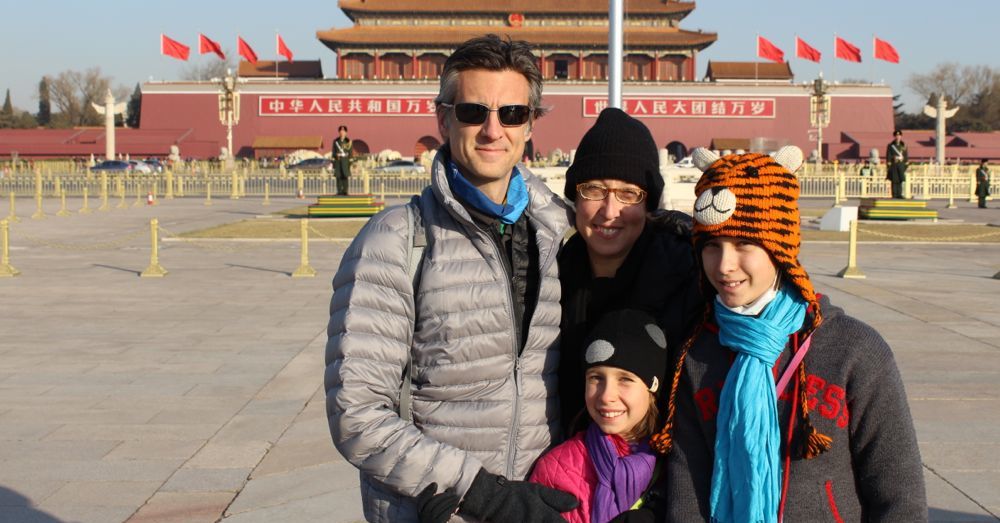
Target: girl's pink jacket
[[568, 467]]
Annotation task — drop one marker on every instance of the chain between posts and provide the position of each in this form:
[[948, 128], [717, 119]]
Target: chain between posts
[[197, 243], [121, 241], [936, 238]]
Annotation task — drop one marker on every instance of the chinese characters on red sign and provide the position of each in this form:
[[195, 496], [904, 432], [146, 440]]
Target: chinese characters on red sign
[[678, 107], [339, 105]]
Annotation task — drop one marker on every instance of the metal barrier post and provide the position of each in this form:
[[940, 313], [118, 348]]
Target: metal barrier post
[[170, 185], [382, 191], [852, 270], [367, 182], [39, 213], [301, 186], [62, 205], [104, 192], [838, 189], [121, 194], [304, 270], [154, 270], [323, 188], [6, 269], [267, 193], [86, 202], [12, 217], [234, 194], [208, 193], [138, 195]]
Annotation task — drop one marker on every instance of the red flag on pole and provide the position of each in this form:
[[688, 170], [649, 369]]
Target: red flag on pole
[[283, 49], [846, 50], [767, 50], [885, 51], [171, 47], [806, 51], [245, 51], [207, 45]]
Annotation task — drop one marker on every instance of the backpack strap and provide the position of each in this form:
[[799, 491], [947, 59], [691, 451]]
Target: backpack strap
[[416, 236]]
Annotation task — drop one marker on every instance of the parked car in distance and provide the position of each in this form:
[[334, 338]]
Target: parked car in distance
[[685, 162], [112, 166], [401, 167], [141, 167], [312, 164], [155, 164]]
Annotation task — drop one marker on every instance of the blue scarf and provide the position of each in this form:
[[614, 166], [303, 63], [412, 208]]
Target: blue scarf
[[508, 212], [746, 477]]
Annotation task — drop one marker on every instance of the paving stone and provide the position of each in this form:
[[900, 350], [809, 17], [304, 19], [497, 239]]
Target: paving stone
[[303, 483], [72, 513], [183, 507], [155, 449], [104, 493], [207, 480], [233, 455]]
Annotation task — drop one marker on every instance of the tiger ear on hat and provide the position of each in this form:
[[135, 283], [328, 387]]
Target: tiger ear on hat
[[703, 158], [789, 157]]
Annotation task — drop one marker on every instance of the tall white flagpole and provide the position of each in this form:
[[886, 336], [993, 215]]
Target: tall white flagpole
[[615, 17]]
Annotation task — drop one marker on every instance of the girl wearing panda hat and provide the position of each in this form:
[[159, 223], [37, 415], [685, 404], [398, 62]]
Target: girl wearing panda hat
[[609, 465], [781, 407]]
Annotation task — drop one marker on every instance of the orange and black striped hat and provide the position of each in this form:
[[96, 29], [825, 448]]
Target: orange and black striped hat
[[755, 197]]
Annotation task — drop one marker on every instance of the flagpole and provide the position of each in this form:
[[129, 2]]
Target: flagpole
[[616, 15], [833, 68], [275, 58], [871, 68], [756, 59]]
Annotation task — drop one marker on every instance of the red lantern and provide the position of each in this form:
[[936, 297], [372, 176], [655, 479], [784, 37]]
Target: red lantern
[[515, 19]]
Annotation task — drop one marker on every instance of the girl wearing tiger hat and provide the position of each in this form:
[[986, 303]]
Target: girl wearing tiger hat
[[781, 406]]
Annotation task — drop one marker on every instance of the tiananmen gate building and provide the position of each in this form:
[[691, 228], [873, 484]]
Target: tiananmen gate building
[[389, 61]]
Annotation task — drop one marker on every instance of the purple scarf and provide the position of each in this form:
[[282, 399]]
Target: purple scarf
[[620, 480]]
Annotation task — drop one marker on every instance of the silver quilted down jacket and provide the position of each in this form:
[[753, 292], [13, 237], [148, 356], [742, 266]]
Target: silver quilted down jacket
[[476, 403]]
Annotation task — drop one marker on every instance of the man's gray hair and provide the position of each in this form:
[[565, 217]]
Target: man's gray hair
[[492, 53]]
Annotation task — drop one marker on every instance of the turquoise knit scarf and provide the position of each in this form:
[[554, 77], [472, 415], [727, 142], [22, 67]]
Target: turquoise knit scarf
[[746, 477], [508, 212]]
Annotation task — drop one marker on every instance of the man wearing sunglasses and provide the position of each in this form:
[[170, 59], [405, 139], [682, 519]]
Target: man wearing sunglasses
[[477, 318]]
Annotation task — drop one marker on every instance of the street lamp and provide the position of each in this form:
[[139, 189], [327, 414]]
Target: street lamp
[[819, 115], [229, 111]]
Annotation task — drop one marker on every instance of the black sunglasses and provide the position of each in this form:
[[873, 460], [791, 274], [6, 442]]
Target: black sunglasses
[[476, 114]]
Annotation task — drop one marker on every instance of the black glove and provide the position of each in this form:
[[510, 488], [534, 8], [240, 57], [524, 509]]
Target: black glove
[[436, 508], [639, 515], [495, 498]]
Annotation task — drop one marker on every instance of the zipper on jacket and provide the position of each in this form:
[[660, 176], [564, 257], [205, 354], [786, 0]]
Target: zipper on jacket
[[516, 418]]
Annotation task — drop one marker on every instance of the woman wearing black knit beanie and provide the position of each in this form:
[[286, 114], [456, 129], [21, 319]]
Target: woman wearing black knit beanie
[[625, 254]]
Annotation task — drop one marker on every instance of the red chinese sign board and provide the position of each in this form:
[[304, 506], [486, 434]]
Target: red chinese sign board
[[680, 107], [345, 105]]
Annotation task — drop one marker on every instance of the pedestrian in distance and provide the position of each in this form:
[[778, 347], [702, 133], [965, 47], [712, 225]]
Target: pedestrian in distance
[[343, 147], [983, 182], [833, 438], [866, 169], [896, 160], [443, 335], [608, 465]]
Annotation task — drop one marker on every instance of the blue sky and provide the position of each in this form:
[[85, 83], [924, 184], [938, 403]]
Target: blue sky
[[45, 37]]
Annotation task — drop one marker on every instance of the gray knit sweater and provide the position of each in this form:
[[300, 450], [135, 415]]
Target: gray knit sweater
[[872, 471]]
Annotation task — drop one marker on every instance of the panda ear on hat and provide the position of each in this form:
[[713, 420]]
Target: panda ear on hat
[[703, 158]]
